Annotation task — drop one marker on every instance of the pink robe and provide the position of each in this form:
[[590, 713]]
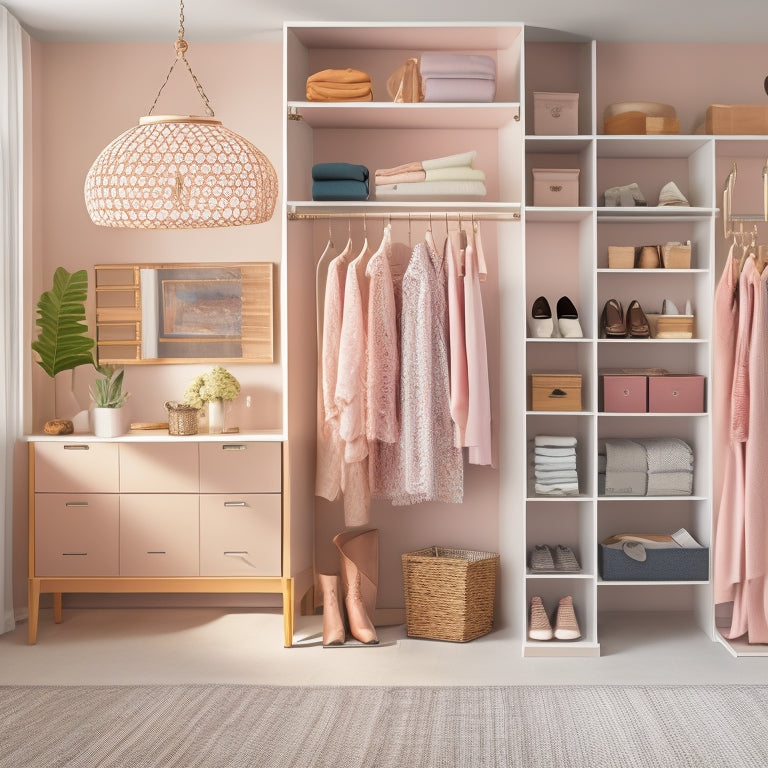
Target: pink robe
[[478, 431]]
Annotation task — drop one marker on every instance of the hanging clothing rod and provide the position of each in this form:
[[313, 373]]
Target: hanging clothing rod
[[416, 216]]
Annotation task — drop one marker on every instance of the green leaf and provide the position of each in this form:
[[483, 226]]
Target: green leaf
[[62, 343]]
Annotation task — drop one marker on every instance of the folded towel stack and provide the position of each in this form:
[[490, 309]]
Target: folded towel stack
[[653, 466], [339, 85], [458, 77], [554, 465], [339, 181], [440, 178]]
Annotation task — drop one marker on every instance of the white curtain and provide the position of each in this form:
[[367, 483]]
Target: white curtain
[[11, 135]]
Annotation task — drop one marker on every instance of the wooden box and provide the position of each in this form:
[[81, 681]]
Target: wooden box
[[621, 256], [555, 114], [556, 391], [556, 186], [676, 255], [736, 119], [638, 123], [670, 326]]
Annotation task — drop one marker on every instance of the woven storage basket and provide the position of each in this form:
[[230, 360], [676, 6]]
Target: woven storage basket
[[449, 593], [182, 419]]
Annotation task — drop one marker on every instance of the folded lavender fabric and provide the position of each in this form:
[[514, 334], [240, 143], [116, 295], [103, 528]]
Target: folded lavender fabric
[[457, 65], [458, 89]]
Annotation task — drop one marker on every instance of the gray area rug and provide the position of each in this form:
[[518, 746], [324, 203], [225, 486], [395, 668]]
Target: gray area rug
[[350, 727]]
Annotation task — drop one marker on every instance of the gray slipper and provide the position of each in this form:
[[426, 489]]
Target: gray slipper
[[565, 560], [635, 550], [541, 558]]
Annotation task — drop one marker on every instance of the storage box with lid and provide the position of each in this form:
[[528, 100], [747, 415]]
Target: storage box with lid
[[555, 114], [676, 394], [556, 186], [678, 564], [625, 394], [556, 391]]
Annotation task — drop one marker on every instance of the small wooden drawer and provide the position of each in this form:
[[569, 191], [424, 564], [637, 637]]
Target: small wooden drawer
[[159, 535], [240, 467], [159, 468], [78, 467], [240, 535], [625, 394], [556, 391], [676, 394], [76, 535]]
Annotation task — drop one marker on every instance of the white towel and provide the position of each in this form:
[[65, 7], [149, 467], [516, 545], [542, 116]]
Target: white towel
[[555, 461], [450, 161], [553, 440], [454, 173], [545, 451], [434, 190]]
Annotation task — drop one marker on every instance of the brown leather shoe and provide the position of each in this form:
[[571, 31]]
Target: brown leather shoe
[[637, 321], [612, 320]]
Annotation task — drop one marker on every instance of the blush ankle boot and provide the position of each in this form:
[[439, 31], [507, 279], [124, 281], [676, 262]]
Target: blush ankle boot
[[333, 610], [359, 558]]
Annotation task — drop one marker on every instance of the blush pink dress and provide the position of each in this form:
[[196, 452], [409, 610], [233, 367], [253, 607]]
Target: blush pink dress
[[431, 465], [478, 430]]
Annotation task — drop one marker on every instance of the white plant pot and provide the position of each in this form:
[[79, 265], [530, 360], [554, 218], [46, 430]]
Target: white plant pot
[[217, 415], [108, 422]]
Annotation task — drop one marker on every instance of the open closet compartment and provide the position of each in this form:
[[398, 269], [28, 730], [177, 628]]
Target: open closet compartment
[[383, 134], [742, 170]]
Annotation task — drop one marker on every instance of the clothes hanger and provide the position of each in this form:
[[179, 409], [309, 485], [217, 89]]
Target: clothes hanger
[[321, 278]]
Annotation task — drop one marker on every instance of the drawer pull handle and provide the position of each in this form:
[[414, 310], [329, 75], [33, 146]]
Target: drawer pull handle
[[77, 447], [74, 554], [236, 554], [233, 447], [559, 393], [155, 552], [555, 187], [75, 503], [235, 504]]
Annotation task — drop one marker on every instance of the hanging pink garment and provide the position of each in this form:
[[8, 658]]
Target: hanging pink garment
[[352, 480], [755, 589], [385, 276], [431, 465], [454, 259], [730, 544], [478, 432]]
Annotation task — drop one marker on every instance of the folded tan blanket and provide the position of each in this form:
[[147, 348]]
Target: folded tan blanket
[[412, 167], [339, 85], [400, 178]]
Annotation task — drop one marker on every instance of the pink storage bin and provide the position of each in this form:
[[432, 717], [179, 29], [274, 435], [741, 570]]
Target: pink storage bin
[[556, 186], [555, 114], [676, 394], [625, 394]]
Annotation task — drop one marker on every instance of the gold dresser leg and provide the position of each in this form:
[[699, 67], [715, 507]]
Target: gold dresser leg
[[287, 612], [34, 610], [57, 607]]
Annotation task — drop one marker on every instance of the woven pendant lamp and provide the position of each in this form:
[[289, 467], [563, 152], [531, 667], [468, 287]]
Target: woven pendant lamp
[[180, 172]]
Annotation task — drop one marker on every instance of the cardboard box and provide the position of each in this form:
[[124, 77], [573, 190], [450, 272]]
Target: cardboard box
[[621, 256], [555, 391], [676, 255], [736, 119], [670, 326], [625, 394], [556, 186], [555, 114], [676, 394]]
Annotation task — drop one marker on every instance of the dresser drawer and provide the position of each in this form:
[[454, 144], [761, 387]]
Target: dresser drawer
[[159, 535], [240, 535], [240, 467], [81, 467], [159, 468], [76, 534]]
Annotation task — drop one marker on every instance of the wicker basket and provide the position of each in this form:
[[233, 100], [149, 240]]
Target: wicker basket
[[449, 593], [182, 419]]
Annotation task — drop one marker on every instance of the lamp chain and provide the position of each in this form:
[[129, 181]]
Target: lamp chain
[[181, 47]]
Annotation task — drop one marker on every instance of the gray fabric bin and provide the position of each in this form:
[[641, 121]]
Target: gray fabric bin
[[659, 565]]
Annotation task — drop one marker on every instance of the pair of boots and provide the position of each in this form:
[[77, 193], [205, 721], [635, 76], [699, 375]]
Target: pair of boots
[[355, 590]]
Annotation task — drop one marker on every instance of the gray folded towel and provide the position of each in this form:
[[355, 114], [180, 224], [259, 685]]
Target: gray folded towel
[[542, 450], [625, 456], [667, 454], [670, 483], [625, 483], [564, 489]]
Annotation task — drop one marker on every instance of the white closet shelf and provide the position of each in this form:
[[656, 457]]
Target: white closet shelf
[[553, 214], [529, 574], [652, 499], [544, 648], [655, 147], [655, 213], [386, 114], [381, 208], [636, 583], [617, 415], [652, 341], [652, 272]]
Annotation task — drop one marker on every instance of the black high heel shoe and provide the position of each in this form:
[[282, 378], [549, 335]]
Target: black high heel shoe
[[541, 323], [568, 319]]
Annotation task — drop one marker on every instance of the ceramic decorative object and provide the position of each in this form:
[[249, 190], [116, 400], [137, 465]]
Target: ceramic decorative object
[[108, 422], [216, 416]]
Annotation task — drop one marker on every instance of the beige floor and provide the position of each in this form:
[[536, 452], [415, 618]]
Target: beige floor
[[203, 645]]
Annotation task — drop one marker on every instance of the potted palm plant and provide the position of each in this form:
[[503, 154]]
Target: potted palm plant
[[63, 344]]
